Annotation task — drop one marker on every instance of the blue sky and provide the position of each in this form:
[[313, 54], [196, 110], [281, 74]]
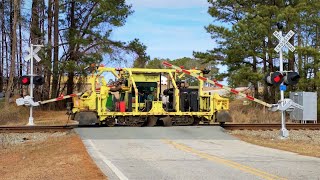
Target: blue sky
[[170, 29]]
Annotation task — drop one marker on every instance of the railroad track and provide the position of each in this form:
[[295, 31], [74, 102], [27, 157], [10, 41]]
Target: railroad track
[[270, 126], [31, 129]]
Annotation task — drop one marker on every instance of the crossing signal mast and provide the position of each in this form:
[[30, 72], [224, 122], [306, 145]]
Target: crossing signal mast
[[282, 78], [31, 80]]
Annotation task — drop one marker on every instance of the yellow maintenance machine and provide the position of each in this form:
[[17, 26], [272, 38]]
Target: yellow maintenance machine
[[136, 98]]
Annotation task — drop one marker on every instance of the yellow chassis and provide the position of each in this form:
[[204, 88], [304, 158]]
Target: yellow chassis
[[95, 101]]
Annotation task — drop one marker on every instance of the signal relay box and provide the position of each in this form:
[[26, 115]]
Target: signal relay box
[[309, 102]]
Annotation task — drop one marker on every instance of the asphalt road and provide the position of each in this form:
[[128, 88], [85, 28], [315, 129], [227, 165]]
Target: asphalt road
[[189, 153]]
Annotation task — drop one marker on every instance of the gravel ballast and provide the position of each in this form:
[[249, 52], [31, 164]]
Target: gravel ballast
[[312, 136], [12, 139], [305, 142]]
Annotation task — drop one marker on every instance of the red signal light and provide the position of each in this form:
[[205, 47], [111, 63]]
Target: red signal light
[[277, 79], [274, 78], [25, 80]]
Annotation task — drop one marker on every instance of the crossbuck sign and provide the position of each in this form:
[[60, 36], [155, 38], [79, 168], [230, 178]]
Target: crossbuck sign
[[33, 53], [284, 41]]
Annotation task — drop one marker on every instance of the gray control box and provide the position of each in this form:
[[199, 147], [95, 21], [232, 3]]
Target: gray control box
[[309, 102]]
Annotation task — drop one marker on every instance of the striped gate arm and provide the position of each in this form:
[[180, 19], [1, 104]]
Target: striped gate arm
[[59, 98], [179, 69]]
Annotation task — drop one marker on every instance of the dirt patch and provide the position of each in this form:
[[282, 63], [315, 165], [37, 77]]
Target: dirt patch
[[56, 157], [305, 142]]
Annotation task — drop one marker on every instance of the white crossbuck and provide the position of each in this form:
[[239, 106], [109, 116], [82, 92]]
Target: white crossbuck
[[284, 41], [34, 53]]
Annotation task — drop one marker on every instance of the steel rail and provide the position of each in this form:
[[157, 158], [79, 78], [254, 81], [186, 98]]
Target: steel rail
[[32, 129], [270, 126]]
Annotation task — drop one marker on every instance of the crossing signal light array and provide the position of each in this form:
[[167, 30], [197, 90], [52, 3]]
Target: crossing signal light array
[[37, 80], [276, 78]]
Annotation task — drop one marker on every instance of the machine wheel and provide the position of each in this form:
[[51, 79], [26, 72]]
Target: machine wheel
[[110, 122], [86, 118], [152, 121], [136, 121], [167, 121], [196, 121], [221, 124]]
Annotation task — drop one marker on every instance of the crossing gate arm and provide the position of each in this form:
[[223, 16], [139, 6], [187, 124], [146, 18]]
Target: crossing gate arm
[[59, 98], [217, 84]]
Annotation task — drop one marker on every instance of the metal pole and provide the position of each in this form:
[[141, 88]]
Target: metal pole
[[283, 132], [31, 85]]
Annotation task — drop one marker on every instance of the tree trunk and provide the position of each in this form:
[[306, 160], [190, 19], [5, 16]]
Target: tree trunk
[[255, 84], [34, 29], [49, 52], [36, 39], [316, 60], [55, 70], [20, 57], [272, 98], [2, 46], [71, 47], [13, 52], [299, 53], [265, 71]]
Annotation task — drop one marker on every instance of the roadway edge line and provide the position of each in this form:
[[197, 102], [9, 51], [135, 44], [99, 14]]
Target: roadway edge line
[[114, 169]]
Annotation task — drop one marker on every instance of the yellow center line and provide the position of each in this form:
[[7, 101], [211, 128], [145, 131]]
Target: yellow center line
[[217, 159]]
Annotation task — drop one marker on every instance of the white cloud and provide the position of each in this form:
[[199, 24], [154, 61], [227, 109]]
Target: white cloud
[[167, 3]]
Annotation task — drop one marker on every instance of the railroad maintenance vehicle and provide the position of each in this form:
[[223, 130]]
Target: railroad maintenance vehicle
[[136, 98]]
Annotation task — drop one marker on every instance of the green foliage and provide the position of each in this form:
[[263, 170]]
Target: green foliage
[[140, 50], [243, 76], [88, 28], [245, 44], [156, 63], [186, 63]]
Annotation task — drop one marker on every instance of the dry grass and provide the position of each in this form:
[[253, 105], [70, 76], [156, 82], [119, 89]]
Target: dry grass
[[12, 114], [19, 115], [62, 157], [309, 146], [252, 113]]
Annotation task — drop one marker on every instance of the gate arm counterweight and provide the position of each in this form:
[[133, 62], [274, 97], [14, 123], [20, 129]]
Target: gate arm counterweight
[[217, 84]]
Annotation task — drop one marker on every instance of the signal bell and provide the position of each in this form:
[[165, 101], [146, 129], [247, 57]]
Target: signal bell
[[274, 78]]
